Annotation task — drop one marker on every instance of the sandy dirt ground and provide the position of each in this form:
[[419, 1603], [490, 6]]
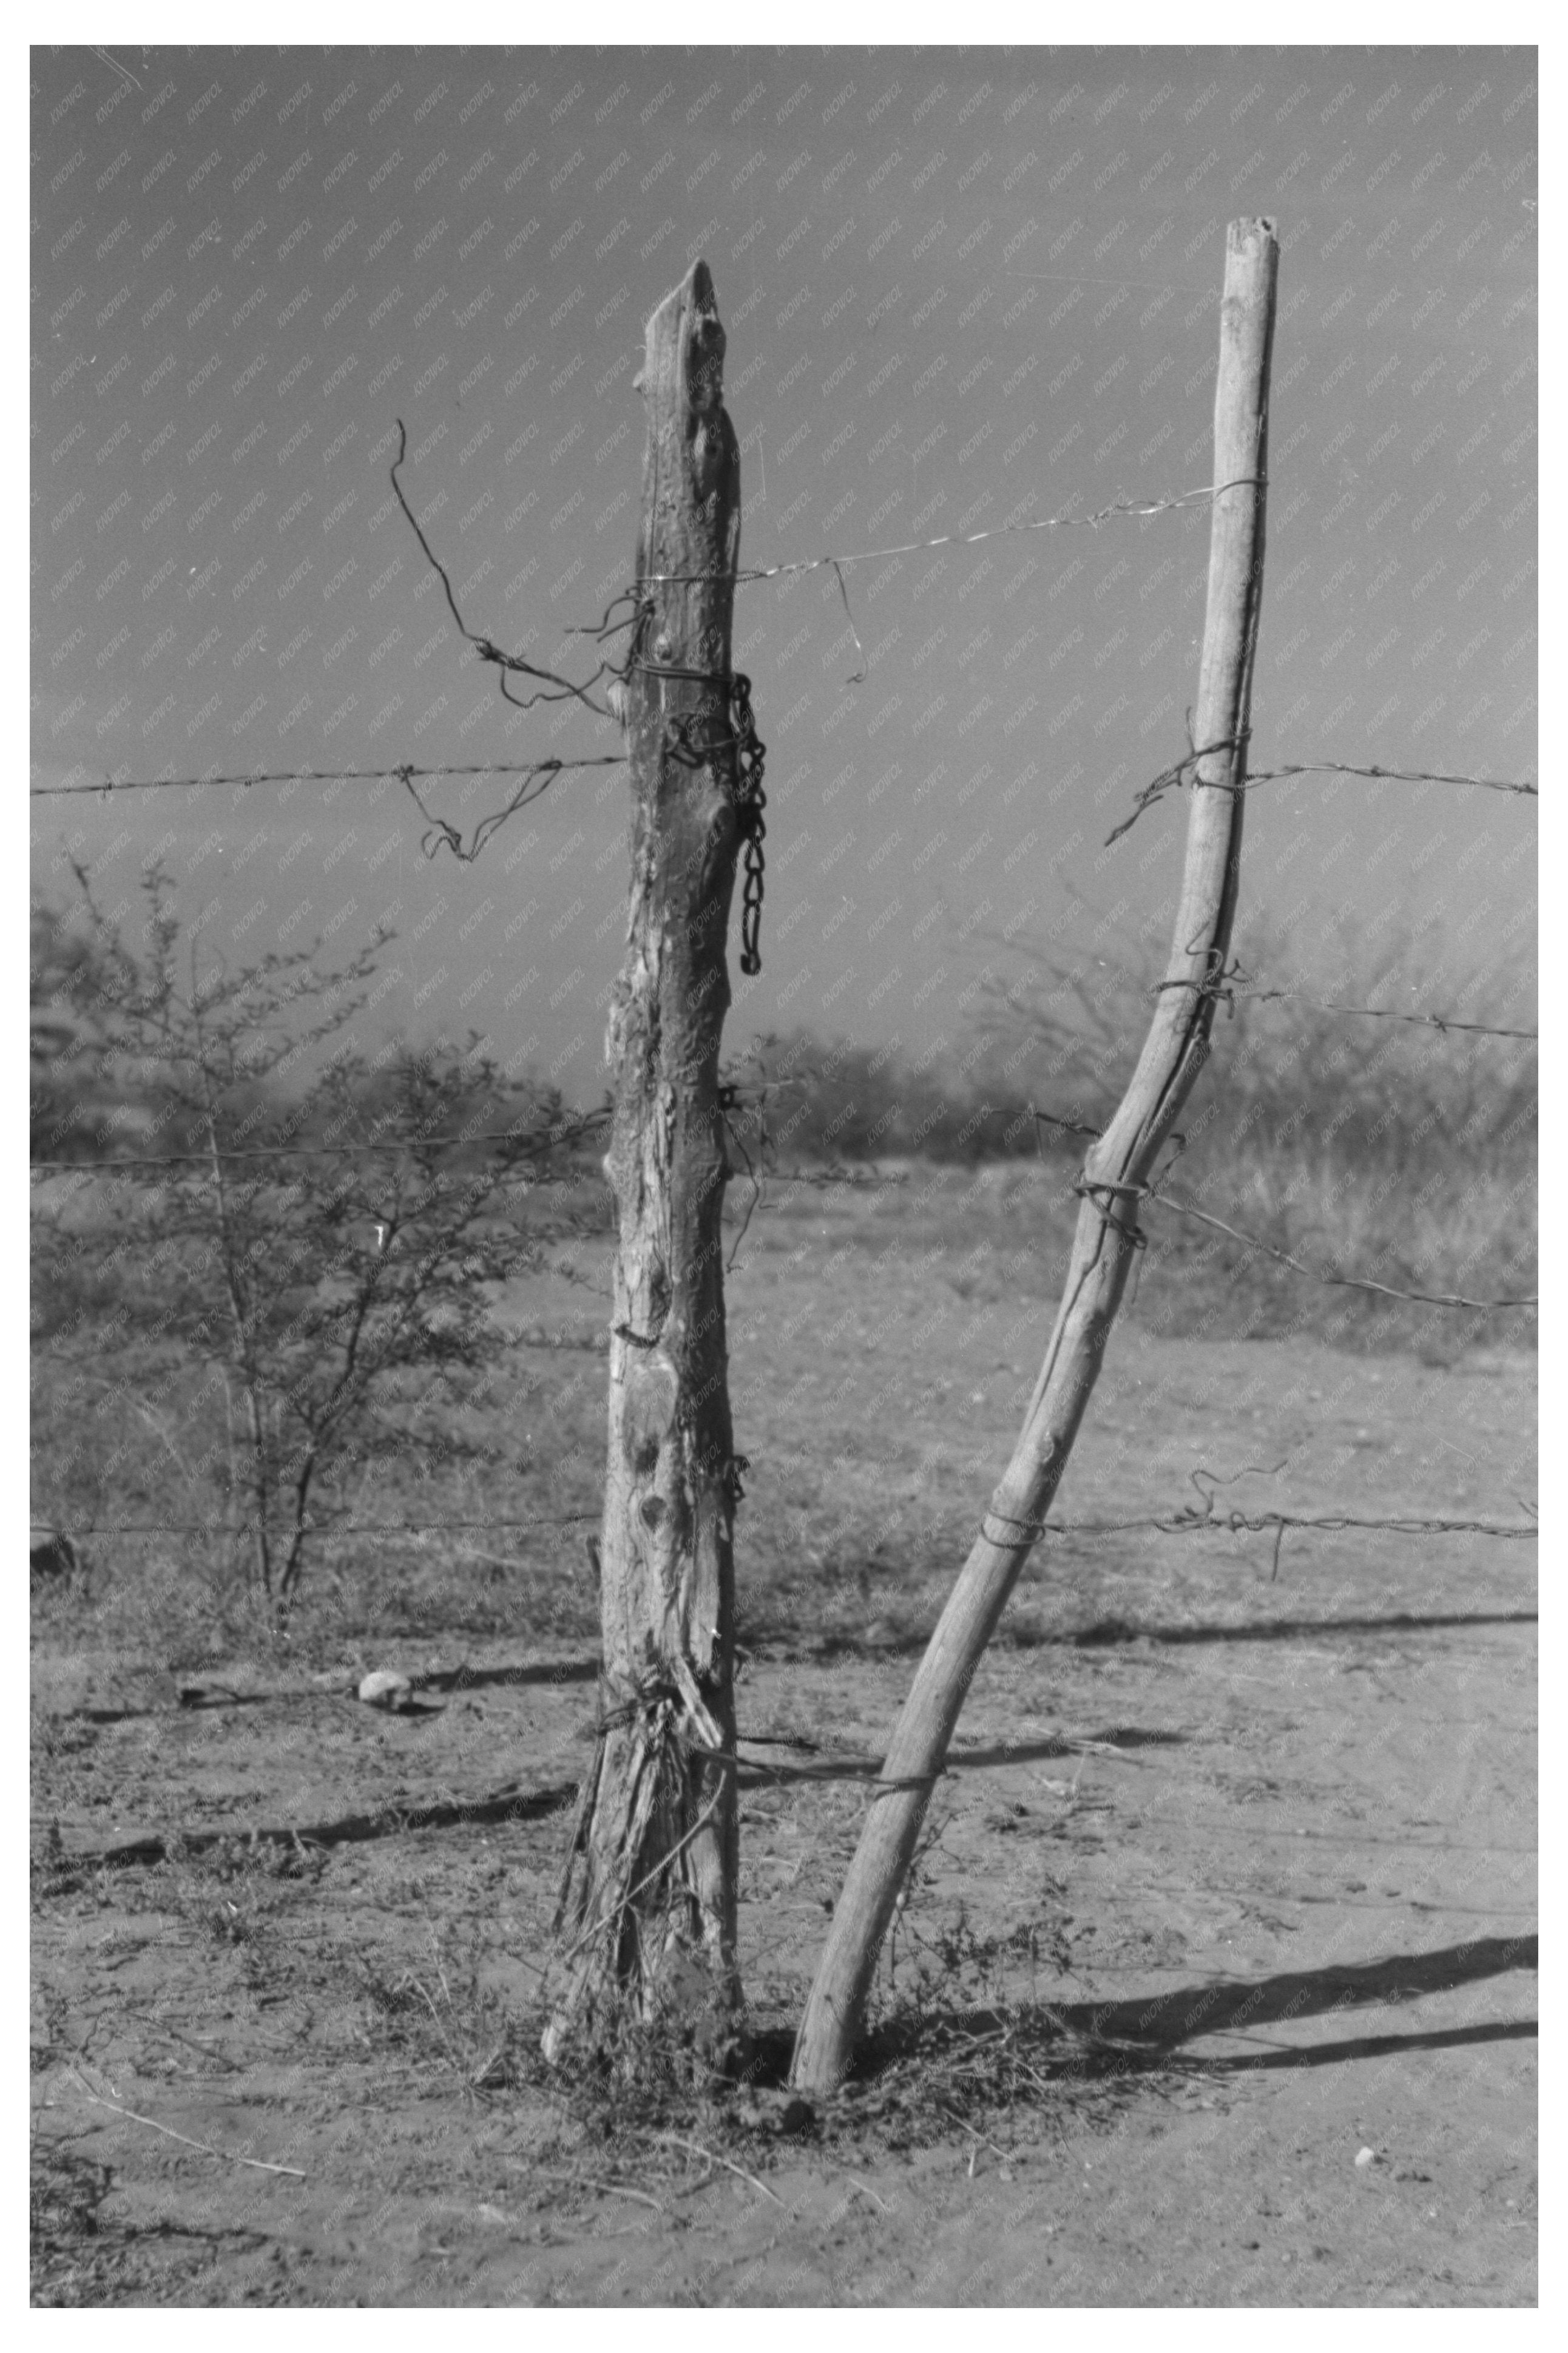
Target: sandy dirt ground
[[1216, 1984]]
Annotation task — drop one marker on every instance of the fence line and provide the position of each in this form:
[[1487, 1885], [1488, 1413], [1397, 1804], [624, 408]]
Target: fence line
[[1190, 1520], [1120, 507], [1183, 771], [1232, 987], [360, 1528], [1161, 1200], [1195, 1518], [1086, 1188], [1315, 1274], [554, 686], [402, 774], [561, 1136], [440, 830], [537, 776], [555, 1140], [441, 833], [1389, 776], [1439, 1021]]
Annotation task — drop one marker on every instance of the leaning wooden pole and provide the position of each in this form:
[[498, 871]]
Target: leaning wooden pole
[[1115, 1170], [647, 1915]]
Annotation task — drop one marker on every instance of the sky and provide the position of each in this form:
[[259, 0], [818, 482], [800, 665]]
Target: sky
[[964, 292]]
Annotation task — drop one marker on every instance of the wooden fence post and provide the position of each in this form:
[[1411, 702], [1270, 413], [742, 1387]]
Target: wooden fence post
[[647, 1912], [1115, 1170]]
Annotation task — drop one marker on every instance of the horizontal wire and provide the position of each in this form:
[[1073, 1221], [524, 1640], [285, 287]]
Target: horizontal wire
[[88, 1169], [1191, 1521], [961, 539], [1090, 1188], [1315, 1274], [1183, 771], [1232, 989], [566, 1132], [1441, 1021], [322, 776], [1391, 776], [284, 1527], [317, 1151], [619, 759]]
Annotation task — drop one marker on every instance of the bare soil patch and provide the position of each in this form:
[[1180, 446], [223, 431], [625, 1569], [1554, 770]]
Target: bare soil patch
[[1216, 1984]]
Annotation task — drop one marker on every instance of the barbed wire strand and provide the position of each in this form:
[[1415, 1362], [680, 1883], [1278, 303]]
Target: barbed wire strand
[[1313, 1274], [560, 1136], [1087, 1188], [488, 652], [1119, 507], [1390, 775], [1193, 1521], [586, 1125], [1179, 772], [1232, 989], [400, 774], [868, 1181], [1168, 779], [357, 1528], [1190, 1520]]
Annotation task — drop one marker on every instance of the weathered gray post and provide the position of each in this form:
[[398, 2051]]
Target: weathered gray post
[[1115, 1170], [647, 1915]]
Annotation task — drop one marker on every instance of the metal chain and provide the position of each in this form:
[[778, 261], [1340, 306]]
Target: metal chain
[[749, 803], [747, 796]]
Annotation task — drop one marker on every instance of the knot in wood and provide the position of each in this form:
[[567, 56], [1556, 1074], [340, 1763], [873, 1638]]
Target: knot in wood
[[706, 366]]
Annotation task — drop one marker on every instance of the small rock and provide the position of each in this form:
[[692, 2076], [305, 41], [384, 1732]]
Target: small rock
[[50, 1553], [1363, 2157], [386, 1688]]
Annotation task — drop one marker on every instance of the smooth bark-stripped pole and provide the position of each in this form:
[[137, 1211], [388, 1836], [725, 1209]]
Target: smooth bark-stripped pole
[[648, 1913], [1115, 1169]]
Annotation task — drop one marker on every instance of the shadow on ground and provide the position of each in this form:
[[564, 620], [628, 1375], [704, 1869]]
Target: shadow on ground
[[1128, 2037]]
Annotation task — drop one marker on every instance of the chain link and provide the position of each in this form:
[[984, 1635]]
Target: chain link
[[747, 796], [749, 803]]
